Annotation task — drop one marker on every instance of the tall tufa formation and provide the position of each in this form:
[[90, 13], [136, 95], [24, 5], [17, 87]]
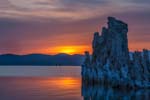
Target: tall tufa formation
[[110, 62]]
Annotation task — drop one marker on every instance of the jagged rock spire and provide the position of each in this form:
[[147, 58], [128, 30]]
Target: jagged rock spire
[[110, 59], [112, 44]]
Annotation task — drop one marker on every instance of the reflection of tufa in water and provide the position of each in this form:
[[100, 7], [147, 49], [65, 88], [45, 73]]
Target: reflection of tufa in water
[[94, 92], [111, 64]]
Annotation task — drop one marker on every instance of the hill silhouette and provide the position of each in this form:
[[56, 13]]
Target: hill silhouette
[[41, 59]]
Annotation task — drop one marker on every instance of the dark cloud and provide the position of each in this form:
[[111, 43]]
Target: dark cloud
[[139, 1], [84, 2]]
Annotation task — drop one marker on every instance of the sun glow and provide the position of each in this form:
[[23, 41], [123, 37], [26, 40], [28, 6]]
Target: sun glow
[[69, 49]]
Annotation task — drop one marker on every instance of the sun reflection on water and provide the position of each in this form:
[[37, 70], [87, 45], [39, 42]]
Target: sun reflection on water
[[53, 88], [63, 82]]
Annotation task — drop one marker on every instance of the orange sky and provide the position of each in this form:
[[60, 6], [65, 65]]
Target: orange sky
[[67, 26]]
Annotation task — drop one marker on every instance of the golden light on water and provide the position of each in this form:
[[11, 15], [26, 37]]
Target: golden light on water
[[63, 82], [53, 88], [67, 81]]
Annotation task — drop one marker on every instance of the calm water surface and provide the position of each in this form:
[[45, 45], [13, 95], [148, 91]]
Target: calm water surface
[[56, 83], [40, 83]]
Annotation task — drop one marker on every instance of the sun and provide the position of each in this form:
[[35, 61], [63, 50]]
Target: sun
[[68, 50]]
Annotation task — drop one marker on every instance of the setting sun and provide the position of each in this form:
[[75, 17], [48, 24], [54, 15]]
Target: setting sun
[[68, 49]]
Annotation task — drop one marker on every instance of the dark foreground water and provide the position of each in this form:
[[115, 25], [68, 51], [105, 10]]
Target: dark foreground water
[[56, 83]]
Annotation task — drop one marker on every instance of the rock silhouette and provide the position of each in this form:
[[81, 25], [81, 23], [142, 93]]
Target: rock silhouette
[[110, 62]]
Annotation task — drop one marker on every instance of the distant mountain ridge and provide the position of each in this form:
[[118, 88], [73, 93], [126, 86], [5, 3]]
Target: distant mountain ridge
[[42, 59]]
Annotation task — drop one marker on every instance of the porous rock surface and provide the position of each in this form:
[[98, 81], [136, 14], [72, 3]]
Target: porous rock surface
[[110, 62]]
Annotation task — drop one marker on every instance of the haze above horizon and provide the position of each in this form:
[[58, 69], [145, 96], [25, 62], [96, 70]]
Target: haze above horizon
[[67, 26]]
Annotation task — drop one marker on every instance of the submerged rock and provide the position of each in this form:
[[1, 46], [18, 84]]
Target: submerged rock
[[110, 62]]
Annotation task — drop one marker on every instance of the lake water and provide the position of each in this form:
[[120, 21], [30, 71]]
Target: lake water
[[56, 83]]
